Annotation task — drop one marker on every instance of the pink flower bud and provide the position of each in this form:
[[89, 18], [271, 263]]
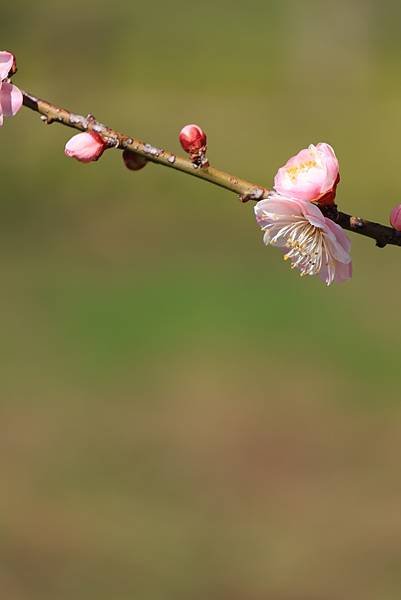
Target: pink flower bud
[[85, 147], [7, 64], [133, 160], [395, 217], [313, 175], [193, 139]]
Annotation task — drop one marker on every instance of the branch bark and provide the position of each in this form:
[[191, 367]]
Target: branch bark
[[51, 113]]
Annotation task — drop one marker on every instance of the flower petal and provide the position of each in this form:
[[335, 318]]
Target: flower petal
[[276, 206], [10, 99], [6, 64], [341, 245], [331, 163], [342, 273], [313, 214]]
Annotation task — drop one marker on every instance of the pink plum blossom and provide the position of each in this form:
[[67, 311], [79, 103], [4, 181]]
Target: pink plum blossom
[[85, 147], [395, 217], [313, 243], [10, 96], [7, 61], [313, 174]]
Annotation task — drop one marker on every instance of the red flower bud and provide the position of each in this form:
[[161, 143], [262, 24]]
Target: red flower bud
[[395, 217], [193, 139], [133, 160]]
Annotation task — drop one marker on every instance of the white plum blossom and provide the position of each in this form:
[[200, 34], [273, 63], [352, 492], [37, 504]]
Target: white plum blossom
[[314, 244]]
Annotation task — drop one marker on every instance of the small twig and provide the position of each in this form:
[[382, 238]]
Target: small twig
[[245, 189]]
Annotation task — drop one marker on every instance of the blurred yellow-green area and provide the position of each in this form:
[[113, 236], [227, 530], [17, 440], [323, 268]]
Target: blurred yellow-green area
[[182, 416]]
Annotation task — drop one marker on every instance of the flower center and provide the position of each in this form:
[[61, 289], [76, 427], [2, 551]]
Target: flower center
[[307, 247], [296, 170]]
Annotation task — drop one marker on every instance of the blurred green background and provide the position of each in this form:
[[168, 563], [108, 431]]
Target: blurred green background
[[181, 415]]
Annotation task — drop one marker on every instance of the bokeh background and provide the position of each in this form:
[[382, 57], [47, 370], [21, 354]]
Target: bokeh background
[[181, 415]]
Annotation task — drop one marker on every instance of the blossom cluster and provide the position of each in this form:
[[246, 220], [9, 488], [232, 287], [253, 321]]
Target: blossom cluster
[[292, 220]]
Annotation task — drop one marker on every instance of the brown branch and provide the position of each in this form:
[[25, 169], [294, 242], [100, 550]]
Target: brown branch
[[245, 189], [381, 233], [55, 114]]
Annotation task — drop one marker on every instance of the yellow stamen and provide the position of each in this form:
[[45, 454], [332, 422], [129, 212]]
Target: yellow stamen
[[294, 171]]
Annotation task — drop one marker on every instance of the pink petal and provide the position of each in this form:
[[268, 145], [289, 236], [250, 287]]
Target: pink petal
[[306, 186], [302, 156], [343, 272], [331, 163], [276, 206], [6, 63], [10, 99], [341, 237], [313, 214]]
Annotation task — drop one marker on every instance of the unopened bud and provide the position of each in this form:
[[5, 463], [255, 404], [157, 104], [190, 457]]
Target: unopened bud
[[395, 217], [193, 139], [133, 160], [85, 147]]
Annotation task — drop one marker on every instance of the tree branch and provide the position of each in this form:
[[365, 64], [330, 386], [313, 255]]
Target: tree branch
[[246, 190]]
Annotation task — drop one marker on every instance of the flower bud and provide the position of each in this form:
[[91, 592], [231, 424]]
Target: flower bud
[[193, 139], [85, 147], [133, 160], [8, 65], [395, 217]]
